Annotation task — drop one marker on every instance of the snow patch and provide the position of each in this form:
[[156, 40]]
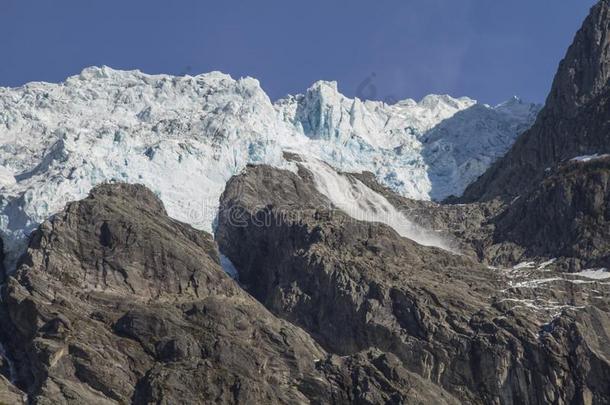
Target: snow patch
[[524, 265], [7, 178], [589, 158], [541, 305], [536, 283], [595, 274], [544, 265]]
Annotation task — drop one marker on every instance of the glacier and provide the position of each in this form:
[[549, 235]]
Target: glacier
[[185, 136]]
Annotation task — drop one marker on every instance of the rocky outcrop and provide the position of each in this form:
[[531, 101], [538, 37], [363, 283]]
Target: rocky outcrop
[[554, 179], [9, 394], [485, 335], [575, 120], [114, 302], [567, 216]]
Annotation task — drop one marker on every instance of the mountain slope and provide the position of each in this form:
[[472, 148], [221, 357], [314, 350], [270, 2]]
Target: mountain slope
[[526, 334], [116, 303], [575, 120], [567, 215], [555, 178]]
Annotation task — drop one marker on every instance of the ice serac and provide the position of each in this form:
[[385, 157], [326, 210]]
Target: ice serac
[[324, 113], [419, 149], [574, 122], [184, 137]]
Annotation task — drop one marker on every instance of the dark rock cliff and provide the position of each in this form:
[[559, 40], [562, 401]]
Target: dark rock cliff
[[114, 302], [575, 120], [567, 215], [485, 335]]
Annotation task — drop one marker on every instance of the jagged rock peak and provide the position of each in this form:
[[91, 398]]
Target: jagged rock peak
[[584, 72], [574, 121], [138, 196]]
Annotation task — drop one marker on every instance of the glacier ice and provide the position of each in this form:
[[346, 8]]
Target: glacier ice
[[184, 137]]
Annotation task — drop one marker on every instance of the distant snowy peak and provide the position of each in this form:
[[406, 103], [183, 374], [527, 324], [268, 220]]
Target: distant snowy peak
[[184, 137]]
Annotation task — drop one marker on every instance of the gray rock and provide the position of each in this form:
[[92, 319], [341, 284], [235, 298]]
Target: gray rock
[[484, 335], [567, 216], [114, 302], [575, 120], [9, 394]]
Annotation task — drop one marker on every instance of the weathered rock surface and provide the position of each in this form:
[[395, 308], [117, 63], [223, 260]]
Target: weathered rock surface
[[567, 216], [554, 181], [485, 335], [114, 302], [575, 120], [9, 394]]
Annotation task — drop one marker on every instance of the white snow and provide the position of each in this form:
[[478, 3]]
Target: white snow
[[589, 158], [554, 307], [360, 202], [536, 283], [427, 149], [524, 265], [6, 177], [544, 265], [595, 274], [184, 137]]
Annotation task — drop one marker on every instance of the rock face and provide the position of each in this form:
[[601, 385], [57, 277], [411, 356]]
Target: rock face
[[484, 335], [116, 303], [554, 180], [567, 215], [9, 394], [575, 120]]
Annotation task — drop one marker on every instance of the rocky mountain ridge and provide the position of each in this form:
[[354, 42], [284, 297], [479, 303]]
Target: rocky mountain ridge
[[486, 335], [573, 122], [116, 303]]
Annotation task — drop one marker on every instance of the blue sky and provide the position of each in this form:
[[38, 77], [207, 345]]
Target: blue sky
[[488, 50]]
